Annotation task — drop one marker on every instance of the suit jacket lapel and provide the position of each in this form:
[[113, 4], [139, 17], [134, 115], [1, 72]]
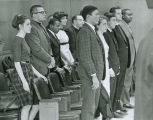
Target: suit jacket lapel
[[127, 29], [113, 38], [74, 31], [100, 44], [54, 37], [96, 36], [45, 31], [123, 34], [42, 28]]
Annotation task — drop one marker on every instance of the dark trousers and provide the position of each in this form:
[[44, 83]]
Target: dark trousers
[[120, 84], [104, 106], [113, 87]]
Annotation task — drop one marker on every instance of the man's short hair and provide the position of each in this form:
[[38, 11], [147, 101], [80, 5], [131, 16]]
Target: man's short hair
[[33, 9], [87, 10], [59, 14], [52, 21], [109, 15], [113, 9], [74, 18], [124, 11]]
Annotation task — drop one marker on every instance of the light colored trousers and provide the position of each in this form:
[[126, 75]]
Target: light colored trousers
[[125, 97]]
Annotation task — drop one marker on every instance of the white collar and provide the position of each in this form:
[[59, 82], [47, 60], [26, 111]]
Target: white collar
[[93, 27], [117, 23], [110, 30], [51, 32]]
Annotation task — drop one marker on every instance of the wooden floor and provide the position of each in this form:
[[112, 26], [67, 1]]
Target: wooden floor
[[130, 115]]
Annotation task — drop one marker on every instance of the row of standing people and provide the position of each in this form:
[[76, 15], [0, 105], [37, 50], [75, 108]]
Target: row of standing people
[[48, 47], [106, 55], [36, 51]]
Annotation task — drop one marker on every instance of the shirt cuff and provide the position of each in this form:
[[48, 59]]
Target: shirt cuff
[[93, 75]]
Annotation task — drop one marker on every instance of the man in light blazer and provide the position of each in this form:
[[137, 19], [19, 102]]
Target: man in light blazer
[[38, 41], [91, 62], [127, 18]]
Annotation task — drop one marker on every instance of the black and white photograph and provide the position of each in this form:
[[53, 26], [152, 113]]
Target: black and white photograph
[[76, 60]]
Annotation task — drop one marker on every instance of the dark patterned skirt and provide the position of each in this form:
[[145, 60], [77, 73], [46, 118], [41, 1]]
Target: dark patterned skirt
[[24, 97]]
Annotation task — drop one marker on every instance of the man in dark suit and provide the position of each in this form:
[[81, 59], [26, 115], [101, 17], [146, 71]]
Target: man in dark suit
[[123, 53], [127, 18], [72, 31], [113, 58], [38, 41], [53, 28], [91, 62]]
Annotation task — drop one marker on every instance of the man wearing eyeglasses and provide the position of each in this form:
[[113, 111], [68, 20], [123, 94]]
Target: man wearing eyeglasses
[[72, 31], [38, 41]]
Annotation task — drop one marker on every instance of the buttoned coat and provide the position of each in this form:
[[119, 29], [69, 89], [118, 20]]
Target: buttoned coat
[[114, 64], [123, 45], [38, 42], [55, 45], [113, 47], [90, 56], [129, 34], [90, 53], [123, 53], [72, 39]]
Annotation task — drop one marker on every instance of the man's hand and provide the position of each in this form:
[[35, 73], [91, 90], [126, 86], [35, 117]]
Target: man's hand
[[111, 72], [52, 64], [95, 82], [26, 87], [45, 79], [61, 71], [74, 64], [68, 68]]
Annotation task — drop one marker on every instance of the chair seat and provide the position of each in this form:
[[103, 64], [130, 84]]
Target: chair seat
[[9, 115]]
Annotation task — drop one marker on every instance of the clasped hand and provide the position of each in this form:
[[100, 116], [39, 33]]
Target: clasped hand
[[95, 82]]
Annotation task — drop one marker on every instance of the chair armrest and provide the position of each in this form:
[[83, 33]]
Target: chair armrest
[[61, 95], [64, 92], [71, 88], [67, 90], [76, 82], [5, 92], [50, 100]]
